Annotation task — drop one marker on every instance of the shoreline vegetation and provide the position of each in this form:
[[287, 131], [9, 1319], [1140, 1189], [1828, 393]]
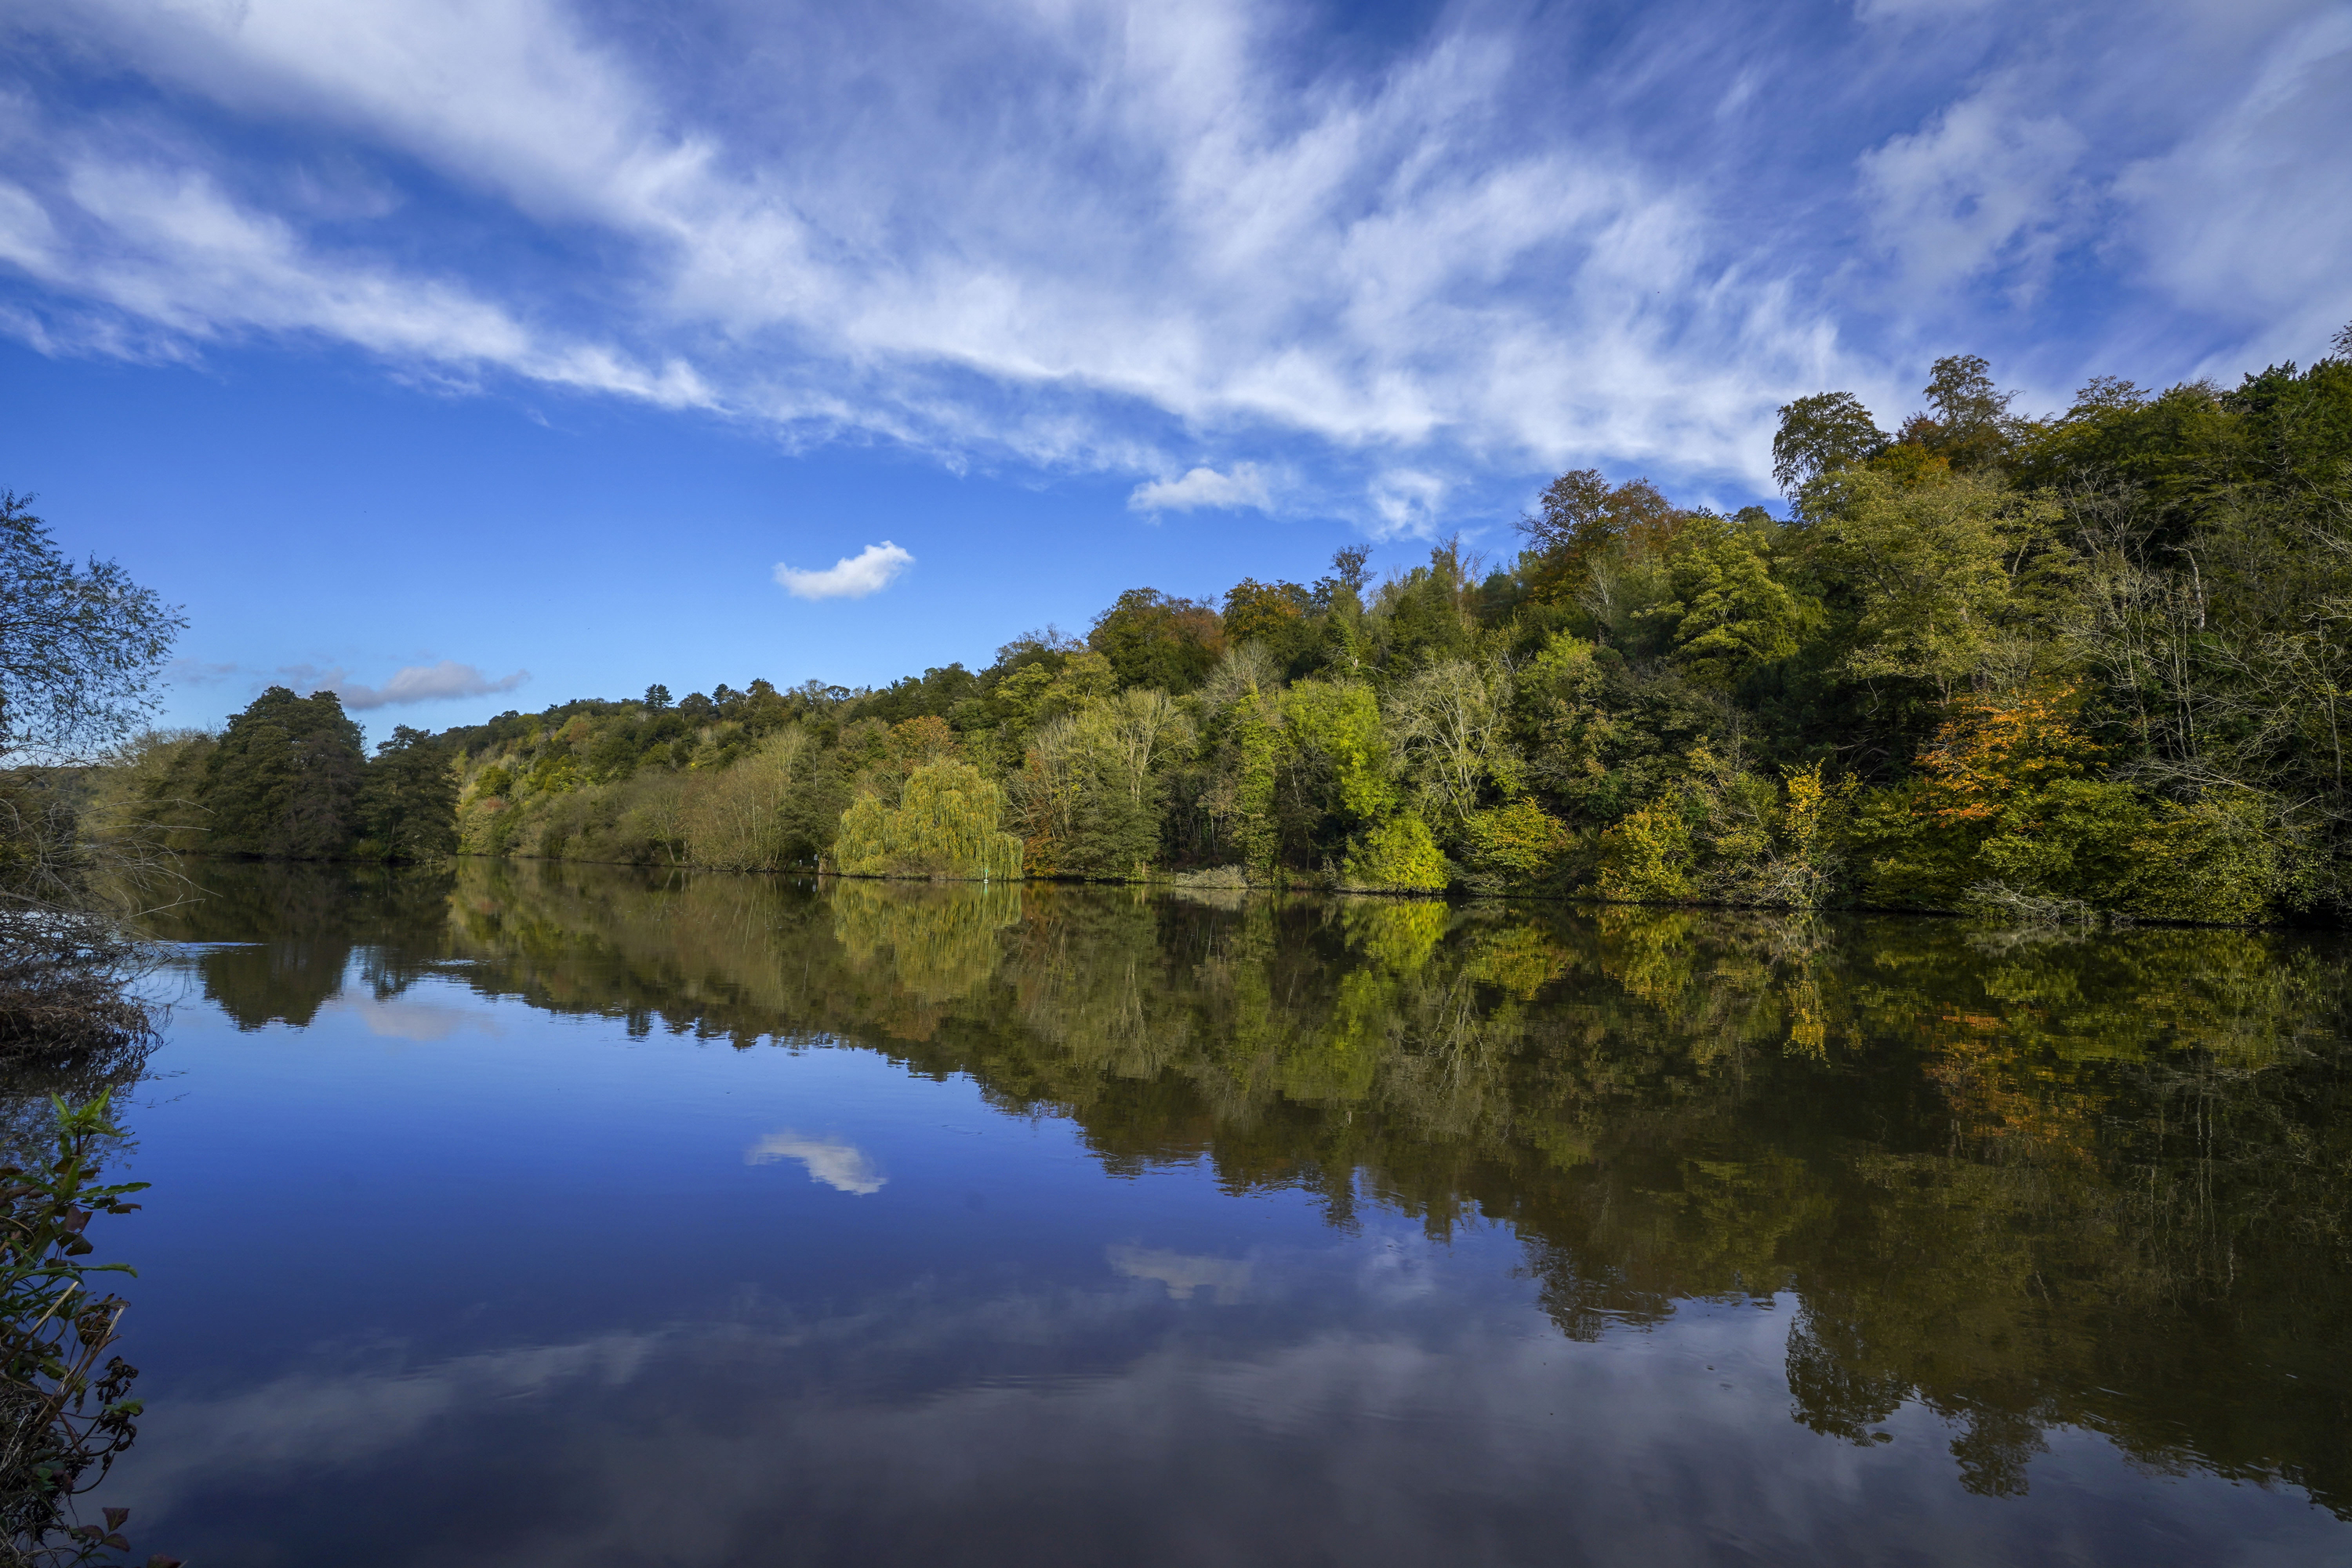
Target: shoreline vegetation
[[81, 645], [2069, 669], [62, 1414]]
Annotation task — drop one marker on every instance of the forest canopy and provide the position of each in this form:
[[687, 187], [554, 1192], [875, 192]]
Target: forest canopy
[[2089, 663]]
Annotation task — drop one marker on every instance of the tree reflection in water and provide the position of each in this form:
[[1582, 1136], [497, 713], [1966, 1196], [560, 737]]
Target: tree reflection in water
[[2028, 1181]]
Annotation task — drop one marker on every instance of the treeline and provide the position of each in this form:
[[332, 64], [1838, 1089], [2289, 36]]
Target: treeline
[[291, 779], [2092, 662]]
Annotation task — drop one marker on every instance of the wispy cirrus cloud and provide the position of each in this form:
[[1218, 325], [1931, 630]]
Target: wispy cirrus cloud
[[1988, 185], [413, 683], [1096, 235], [869, 571]]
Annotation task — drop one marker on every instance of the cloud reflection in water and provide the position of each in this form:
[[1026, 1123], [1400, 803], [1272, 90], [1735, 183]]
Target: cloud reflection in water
[[1182, 1273], [841, 1166]]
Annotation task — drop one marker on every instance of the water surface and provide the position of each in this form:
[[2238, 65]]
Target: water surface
[[541, 1214]]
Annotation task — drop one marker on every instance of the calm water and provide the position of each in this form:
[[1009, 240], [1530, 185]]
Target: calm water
[[543, 1215]]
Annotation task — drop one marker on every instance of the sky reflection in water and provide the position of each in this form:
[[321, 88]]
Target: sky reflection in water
[[568, 1214]]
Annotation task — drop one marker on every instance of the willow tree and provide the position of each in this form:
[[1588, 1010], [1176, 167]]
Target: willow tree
[[946, 825]]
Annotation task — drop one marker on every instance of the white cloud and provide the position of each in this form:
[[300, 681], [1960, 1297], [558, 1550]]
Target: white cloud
[[1406, 500], [181, 255], [869, 571], [414, 683], [842, 1166], [1985, 184], [1171, 224], [2248, 215], [1244, 485], [1089, 233]]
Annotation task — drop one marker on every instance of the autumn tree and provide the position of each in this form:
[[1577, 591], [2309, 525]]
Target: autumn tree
[[1264, 613], [1581, 513], [1153, 639]]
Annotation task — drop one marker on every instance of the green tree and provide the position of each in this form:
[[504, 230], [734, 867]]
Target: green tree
[[1154, 640], [1338, 751], [1450, 722], [1088, 799], [79, 645], [408, 798], [1938, 574], [284, 782], [944, 827], [80, 648], [1822, 434], [1730, 613]]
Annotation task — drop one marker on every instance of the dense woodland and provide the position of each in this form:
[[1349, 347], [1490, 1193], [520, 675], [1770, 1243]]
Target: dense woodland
[[2094, 663]]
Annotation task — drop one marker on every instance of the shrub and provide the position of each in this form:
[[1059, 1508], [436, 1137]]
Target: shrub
[[1648, 856], [61, 1415], [1399, 855], [1520, 842], [2214, 861]]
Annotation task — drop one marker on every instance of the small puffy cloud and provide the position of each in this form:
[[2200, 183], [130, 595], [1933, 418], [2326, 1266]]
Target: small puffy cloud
[[1244, 486], [416, 683], [869, 571], [843, 1167]]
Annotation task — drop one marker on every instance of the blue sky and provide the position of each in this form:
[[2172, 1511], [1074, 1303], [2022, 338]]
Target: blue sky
[[472, 354]]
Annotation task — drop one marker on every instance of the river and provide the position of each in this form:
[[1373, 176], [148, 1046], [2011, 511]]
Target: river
[[535, 1214]]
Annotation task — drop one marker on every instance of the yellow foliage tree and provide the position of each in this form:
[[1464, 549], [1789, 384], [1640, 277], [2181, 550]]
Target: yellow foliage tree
[[1995, 747], [945, 826], [1516, 842], [1399, 855]]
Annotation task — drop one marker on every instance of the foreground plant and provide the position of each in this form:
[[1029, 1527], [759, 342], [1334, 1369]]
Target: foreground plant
[[62, 1415]]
